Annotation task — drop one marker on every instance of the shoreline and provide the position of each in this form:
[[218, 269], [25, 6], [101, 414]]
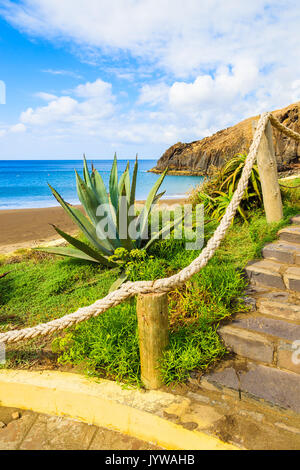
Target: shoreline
[[178, 172], [30, 228], [292, 173]]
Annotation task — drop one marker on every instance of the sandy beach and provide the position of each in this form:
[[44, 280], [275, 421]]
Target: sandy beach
[[24, 228], [28, 228]]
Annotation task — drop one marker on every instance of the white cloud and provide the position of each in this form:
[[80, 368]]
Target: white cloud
[[68, 73], [224, 87], [55, 111], [45, 96], [90, 110], [153, 94], [18, 128], [181, 38], [205, 65], [95, 103], [97, 89]]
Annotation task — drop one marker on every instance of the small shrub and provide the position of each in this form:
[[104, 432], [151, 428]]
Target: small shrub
[[217, 192]]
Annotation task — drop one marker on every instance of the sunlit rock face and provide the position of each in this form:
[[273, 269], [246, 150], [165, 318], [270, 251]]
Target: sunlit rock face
[[198, 156]]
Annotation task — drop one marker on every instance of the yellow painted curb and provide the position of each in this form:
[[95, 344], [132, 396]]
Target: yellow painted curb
[[102, 403]]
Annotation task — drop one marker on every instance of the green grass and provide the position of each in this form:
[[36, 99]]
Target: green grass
[[40, 288]]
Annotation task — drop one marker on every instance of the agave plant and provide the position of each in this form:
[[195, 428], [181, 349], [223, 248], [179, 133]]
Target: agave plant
[[217, 192], [118, 202], [222, 201], [231, 173]]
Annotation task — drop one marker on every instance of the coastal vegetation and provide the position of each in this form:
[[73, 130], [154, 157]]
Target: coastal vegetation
[[101, 225], [217, 191], [110, 219], [41, 287]]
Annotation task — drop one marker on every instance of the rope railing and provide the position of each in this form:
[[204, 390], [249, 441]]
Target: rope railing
[[165, 285], [289, 132]]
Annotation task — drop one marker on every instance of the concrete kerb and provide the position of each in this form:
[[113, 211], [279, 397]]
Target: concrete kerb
[[103, 403]]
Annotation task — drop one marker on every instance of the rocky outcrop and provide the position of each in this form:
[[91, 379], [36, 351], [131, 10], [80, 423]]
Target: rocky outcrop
[[198, 156]]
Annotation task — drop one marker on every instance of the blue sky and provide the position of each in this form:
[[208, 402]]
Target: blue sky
[[132, 76]]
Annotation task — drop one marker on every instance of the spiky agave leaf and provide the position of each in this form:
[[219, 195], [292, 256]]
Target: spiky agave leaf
[[90, 204], [86, 173], [122, 214], [117, 284], [87, 198], [132, 216], [82, 222], [100, 189], [103, 197], [125, 183], [133, 183], [144, 215], [158, 197], [113, 185], [69, 252], [84, 247]]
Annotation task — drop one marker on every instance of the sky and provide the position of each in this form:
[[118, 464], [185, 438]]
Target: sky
[[137, 76]]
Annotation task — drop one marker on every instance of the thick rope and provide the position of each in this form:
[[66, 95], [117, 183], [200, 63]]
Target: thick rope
[[289, 132], [131, 289]]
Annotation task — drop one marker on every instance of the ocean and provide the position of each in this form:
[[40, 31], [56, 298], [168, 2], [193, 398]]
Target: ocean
[[23, 183]]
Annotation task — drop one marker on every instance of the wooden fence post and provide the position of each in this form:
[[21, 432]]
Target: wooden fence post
[[267, 167], [153, 328]]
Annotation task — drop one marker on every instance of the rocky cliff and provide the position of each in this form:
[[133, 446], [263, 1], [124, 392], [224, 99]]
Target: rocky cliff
[[197, 157]]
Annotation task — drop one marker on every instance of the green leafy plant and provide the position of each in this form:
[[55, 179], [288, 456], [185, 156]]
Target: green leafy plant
[[102, 224], [217, 192], [123, 256], [221, 202]]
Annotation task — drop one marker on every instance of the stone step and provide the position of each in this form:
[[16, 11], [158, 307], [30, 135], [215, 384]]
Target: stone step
[[283, 251], [266, 273], [279, 309], [275, 295], [292, 279], [290, 234], [274, 274], [296, 219], [277, 329], [276, 387], [247, 344], [264, 340]]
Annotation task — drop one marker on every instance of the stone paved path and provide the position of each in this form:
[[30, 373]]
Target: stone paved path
[[33, 431]]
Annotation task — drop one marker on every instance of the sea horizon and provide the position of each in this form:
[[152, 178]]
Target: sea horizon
[[24, 182]]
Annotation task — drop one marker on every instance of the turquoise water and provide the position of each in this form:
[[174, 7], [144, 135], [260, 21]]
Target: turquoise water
[[23, 183]]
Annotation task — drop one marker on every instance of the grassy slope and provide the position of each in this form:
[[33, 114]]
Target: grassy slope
[[41, 288]]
